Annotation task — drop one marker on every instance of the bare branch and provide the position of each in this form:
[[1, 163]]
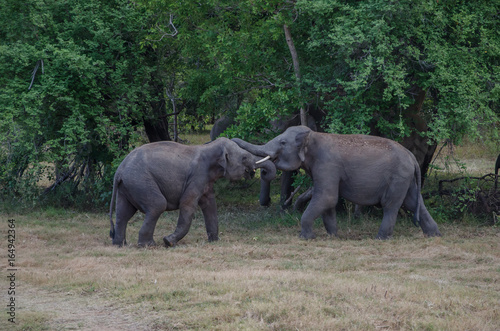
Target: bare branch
[[168, 34], [35, 70], [291, 196]]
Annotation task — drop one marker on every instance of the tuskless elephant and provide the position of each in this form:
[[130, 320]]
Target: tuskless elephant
[[366, 170], [165, 176]]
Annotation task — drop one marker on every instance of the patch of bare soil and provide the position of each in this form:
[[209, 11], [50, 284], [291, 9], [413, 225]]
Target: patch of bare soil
[[73, 311]]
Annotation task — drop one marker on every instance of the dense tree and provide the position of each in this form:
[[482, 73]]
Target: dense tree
[[75, 84]]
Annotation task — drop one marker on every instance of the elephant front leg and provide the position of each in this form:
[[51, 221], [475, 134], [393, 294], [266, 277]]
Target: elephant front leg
[[209, 208], [321, 204], [186, 214]]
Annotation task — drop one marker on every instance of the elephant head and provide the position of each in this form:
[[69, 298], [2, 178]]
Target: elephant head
[[267, 174], [287, 151], [237, 162]]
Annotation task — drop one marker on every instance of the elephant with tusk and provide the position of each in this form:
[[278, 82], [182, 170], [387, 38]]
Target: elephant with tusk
[[366, 170], [166, 176]]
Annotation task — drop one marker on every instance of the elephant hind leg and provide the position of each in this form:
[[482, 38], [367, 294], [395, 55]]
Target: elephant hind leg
[[393, 198], [391, 203], [147, 229], [427, 223], [124, 212], [153, 212], [330, 221], [388, 222]]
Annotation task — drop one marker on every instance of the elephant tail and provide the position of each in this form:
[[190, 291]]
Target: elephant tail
[[418, 178], [111, 205]]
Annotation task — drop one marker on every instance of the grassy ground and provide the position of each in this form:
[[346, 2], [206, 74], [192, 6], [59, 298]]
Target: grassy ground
[[468, 158], [259, 276]]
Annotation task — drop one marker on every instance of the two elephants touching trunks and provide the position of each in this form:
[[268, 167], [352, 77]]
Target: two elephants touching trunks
[[366, 170]]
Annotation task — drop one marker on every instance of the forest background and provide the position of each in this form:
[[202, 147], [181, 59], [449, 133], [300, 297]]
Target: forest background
[[84, 82]]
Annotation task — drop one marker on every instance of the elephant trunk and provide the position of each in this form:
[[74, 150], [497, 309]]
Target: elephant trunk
[[254, 149], [268, 169], [267, 174], [265, 192]]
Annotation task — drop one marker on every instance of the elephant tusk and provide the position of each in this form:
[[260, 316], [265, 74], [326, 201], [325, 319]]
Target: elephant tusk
[[263, 160]]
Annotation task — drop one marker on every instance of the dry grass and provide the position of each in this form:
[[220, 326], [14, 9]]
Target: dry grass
[[259, 276], [470, 157]]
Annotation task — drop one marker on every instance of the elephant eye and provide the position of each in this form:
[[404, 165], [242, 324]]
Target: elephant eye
[[283, 143]]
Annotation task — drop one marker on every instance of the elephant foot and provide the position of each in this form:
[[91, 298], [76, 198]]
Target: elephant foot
[[212, 237], [307, 235], [383, 236], [146, 243], [333, 234], [431, 230], [433, 234], [169, 241], [119, 242]]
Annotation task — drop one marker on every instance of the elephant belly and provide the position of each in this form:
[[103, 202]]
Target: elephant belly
[[172, 201], [365, 195], [172, 206]]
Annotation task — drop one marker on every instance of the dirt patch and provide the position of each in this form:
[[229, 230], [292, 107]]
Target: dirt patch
[[73, 311]]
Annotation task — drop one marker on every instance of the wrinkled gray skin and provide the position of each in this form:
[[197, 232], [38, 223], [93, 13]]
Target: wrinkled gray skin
[[365, 170], [166, 176]]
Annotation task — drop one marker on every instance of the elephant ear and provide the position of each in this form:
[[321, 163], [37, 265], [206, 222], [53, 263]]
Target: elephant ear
[[302, 140], [223, 159]]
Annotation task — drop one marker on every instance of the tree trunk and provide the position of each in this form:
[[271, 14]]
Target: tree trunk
[[175, 113], [286, 188], [415, 143], [156, 130], [286, 177], [156, 120], [296, 68]]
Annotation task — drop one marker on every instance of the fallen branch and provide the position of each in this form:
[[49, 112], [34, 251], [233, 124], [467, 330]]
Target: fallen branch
[[291, 196], [464, 177]]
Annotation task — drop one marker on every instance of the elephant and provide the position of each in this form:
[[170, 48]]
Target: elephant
[[165, 176], [366, 170], [220, 126]]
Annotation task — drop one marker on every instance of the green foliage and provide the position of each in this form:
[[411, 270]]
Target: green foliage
[[254, 117], [74, 81], [302, 179], [378, 55]]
